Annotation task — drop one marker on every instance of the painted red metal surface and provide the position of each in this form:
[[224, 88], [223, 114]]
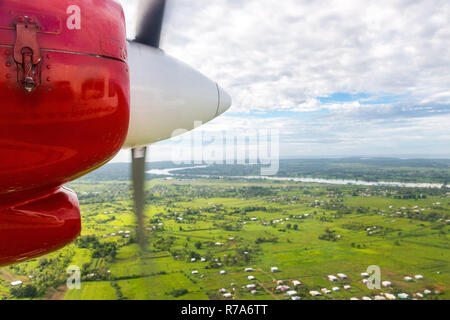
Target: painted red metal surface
[[35, 227], [101, 30], [72, 122]]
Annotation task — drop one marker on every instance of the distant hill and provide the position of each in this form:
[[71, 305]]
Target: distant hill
[[367, 169], [122, 171]]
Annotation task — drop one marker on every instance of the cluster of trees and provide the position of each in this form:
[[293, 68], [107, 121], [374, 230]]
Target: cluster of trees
[[359, 246], [107, 250], [48, 273], [357, 226], [118, 291], [227, 226], [329, 235], [28, 291], [92, 273], [178, 292], [266, 240], [164, 243], [254, 208], [240, 257], [290, 226], [185, 254], [431, 217], [87, 242]]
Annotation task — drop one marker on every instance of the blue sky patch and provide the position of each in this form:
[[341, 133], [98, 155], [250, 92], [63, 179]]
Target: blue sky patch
[[362, 98]]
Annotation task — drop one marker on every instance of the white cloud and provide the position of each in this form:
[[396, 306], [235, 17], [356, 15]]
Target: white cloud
[[284, 55], [278, 54], [338, 135]]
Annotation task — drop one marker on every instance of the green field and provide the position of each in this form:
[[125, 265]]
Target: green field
[[342, 229]]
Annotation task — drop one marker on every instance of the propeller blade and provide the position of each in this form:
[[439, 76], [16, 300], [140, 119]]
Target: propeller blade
[[150, 22], [138, 174]]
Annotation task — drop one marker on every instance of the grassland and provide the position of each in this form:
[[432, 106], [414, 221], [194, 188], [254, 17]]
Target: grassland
[[308, 231]]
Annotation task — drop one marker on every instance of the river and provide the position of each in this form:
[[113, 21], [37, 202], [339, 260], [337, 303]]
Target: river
[[172, 172]]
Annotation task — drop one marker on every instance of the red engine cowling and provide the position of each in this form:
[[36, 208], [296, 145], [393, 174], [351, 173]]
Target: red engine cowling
[[64, 111]]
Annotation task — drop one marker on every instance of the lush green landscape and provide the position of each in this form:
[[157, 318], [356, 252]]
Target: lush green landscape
[[198, 227]]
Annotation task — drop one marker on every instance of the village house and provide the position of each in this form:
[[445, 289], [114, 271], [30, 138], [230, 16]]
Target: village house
[[282, 288], [17, 283], [291, 293], [274, 269], [386, 284], [332, 278], [296, 283], [403, 296], [390, 296], [315, 293], [407, 278]]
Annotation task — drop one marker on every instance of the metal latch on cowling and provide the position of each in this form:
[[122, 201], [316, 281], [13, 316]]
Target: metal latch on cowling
[[27, 54]]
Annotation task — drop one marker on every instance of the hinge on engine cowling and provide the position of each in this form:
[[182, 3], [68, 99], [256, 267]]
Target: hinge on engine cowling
[[27, 54]]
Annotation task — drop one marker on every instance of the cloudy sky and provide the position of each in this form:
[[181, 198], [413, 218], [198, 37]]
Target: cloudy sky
[[337, 78]]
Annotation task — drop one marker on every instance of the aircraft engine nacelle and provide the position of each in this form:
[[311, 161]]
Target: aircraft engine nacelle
[[64, 111]]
